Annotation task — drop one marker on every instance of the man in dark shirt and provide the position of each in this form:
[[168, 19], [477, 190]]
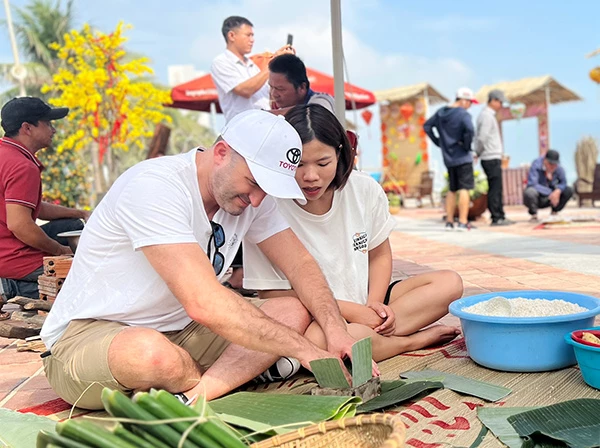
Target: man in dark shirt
[[546, 185], [455, 135]]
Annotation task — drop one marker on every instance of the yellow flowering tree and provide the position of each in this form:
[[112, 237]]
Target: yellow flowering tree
[[112, 106], [65, 178]]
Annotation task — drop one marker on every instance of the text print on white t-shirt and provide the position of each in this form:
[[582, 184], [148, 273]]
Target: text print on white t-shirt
[[360, 241]]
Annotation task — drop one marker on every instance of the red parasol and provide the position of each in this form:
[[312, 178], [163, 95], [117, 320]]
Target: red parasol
[[199, 93]]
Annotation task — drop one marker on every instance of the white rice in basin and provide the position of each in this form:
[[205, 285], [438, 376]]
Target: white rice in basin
[[521, 307]]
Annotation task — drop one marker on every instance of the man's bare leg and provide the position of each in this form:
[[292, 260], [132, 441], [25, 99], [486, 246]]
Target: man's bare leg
[[450, 206], [463, 206], [141, 358], [238, 365]]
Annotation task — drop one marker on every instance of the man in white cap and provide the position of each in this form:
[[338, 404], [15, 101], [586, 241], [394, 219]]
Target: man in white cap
[[143, 305], [454, 136]]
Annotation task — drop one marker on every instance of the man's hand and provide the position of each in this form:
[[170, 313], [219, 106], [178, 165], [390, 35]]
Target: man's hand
[[554, 197], [85, 215], [262, 60], [322, 354], [339, 343], [389, 318], [64, 250], [285, 49]]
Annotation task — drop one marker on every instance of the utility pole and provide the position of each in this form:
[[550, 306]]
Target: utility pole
[[18, 71]]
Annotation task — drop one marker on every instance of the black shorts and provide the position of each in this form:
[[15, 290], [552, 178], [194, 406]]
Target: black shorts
[[386, 301], [461, 177]]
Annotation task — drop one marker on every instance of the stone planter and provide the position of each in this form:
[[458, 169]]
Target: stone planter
[[478, 206], [476, 209]]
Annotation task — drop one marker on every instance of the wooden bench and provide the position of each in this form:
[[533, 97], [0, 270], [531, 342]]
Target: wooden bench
[[593, 195]]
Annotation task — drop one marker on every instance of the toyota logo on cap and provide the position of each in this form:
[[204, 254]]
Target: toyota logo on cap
[[293, 155]]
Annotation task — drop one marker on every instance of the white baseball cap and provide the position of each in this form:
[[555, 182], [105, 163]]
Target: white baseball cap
[[464, 93], [272, 149]]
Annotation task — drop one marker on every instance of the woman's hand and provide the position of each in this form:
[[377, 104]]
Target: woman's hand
[[369, 317], [388, 325]]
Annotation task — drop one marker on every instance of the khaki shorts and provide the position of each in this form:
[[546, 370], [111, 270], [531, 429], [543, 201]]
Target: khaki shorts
[[78, 367]]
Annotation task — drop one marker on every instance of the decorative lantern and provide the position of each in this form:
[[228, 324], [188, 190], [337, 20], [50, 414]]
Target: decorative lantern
[[407, 110], [595, 75], [367, 115]]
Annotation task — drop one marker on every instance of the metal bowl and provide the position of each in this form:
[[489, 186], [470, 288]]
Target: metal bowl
[[72, 238]]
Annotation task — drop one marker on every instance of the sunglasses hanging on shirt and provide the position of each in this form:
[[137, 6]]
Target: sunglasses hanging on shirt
[[217, 238]]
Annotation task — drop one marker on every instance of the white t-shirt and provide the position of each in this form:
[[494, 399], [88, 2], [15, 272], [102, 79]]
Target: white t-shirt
[[157, 201], [359, 220], [228, 71]]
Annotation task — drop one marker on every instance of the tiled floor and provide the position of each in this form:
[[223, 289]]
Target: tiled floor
[[23, 384]]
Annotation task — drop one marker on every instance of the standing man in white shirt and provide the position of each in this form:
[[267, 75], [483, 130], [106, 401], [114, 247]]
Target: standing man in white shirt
[[488, 147], [241, 84]]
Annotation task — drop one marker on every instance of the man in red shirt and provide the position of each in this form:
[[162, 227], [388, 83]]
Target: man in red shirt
[[23, 244]]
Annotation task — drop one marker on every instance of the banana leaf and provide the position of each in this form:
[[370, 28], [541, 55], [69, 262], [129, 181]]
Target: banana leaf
[[328, 373], [398, 395], [461, 384], [388, 385], [282, 409], [362, 362], [575, 423], [246, 426], [20, 430], [496, 420]]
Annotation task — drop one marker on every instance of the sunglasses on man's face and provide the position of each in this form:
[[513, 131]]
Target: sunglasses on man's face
[[218, 238]]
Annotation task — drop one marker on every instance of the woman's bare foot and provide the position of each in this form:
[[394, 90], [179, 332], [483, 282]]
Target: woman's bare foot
[[435, 335]]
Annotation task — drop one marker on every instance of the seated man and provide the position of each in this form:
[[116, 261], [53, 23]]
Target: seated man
[[289, 84], [546, 185], [143, 306], [23, 244], [289, 87]]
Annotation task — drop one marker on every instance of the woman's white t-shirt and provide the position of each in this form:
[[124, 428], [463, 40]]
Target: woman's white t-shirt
[[358, 221]]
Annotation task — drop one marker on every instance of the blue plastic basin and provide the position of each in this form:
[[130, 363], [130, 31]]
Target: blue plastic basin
[[523, 344], [588, 358]]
